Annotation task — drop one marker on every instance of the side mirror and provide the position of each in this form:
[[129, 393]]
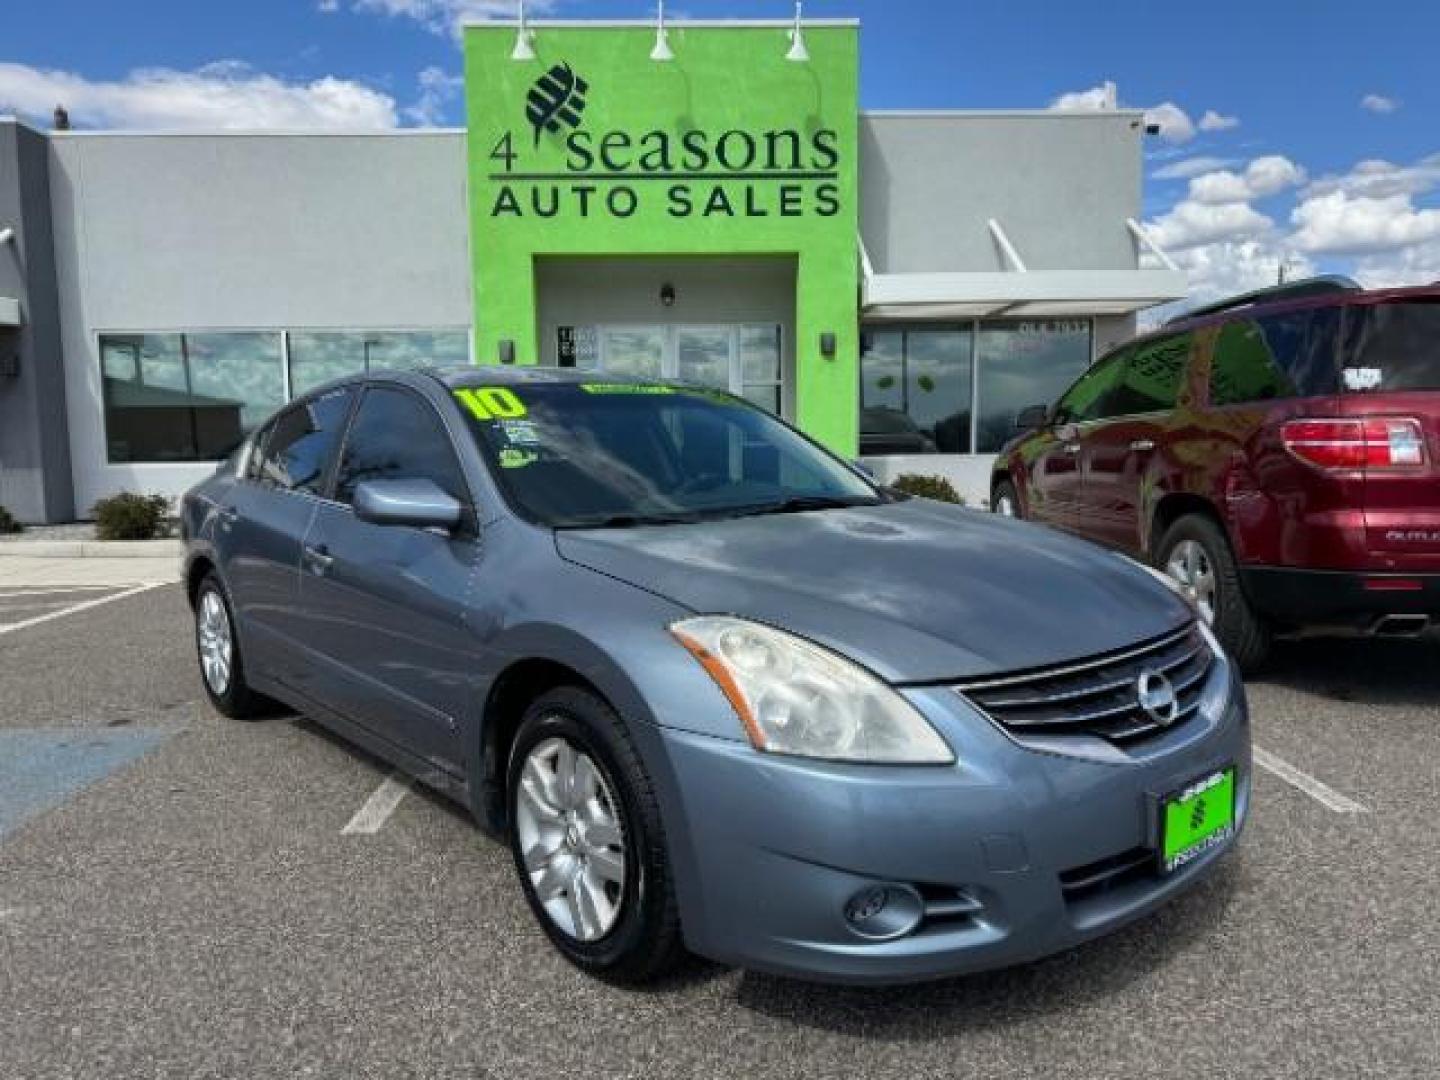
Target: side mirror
[[419, 504], [1031, 417]]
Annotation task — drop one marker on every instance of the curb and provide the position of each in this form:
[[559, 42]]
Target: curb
[[92, 549]]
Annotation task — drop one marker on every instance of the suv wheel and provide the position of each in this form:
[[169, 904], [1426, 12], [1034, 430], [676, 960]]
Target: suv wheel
[[222, 669], [1195, 553], [587, 839], [1004, 501]]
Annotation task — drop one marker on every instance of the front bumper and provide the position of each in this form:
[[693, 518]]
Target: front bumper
[[1344, 597], [1018, 853]]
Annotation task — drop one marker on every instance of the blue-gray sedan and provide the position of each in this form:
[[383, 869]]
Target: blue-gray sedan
[[718, 690]]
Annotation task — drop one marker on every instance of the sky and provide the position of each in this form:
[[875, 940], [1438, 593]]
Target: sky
[[1299, 133]]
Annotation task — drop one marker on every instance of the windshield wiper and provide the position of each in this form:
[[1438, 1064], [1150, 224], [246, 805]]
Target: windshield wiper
[[802, 503], [632, 521]]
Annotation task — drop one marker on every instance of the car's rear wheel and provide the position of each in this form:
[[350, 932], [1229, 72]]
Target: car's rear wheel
[[588, 842], [222, 668], [1004, 500], [1196, 555]]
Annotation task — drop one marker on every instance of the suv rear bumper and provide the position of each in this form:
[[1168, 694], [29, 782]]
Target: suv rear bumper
[[1339, 596]]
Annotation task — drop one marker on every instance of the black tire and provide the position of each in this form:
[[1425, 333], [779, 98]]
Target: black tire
[[235, 699], [644, 941], [1005, 490], [1242, 630]]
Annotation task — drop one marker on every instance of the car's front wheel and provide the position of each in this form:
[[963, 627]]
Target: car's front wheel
[[222, 669], [588, 842], [1195, 554]]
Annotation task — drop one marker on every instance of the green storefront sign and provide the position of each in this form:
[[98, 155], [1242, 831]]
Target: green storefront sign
[[592, 149]]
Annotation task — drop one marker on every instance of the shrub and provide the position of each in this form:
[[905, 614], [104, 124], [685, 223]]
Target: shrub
[[8, 524], [928, 487], [129, 516]]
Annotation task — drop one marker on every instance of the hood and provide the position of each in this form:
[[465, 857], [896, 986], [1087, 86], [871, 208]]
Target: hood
[[916, 591]]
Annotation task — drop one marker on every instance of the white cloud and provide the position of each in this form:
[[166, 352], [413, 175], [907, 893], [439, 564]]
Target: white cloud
[[1190, 224], [1379, 103], [1263, 177], [1340, 223], [1175, 126], [1415, 265], [437, 89], [1214, 121], [224, 95], [1188, 168], [447, 16], [1174, 123], [328, 7], [1378, 179]]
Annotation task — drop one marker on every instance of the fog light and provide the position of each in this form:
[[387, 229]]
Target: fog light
[[884, 912]]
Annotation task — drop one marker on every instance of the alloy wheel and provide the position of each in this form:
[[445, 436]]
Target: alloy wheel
[[568, 825], [217, 643], [1005, 506], [1189, 565]]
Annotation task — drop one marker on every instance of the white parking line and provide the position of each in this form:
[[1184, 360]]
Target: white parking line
[[1324, 795], [6, 591], [371, 817], [76, 608]]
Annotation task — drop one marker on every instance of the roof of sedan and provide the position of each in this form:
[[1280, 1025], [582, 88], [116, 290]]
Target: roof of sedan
[[527, 374]]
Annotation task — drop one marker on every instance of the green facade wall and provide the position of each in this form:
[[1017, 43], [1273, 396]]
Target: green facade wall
[[728, 150]]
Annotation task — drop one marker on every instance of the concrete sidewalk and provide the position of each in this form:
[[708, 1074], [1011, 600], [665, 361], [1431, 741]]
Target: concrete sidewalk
[[32, 572], [24, 548]]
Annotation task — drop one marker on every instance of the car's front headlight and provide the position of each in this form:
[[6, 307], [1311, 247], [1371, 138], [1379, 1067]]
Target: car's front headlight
[[793, 697]]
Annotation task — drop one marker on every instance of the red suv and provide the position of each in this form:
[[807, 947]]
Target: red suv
[[1277, 454]]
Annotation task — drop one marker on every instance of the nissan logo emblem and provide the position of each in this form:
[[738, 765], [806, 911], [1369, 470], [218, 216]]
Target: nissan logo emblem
[[1157, 697]]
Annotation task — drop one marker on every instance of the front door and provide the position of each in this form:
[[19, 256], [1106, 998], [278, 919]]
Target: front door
[[743, 358]]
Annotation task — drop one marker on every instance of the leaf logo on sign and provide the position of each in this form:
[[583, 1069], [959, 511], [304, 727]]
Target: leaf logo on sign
[[558, 97]]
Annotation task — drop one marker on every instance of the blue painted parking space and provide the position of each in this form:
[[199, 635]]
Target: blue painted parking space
[[41, 768]]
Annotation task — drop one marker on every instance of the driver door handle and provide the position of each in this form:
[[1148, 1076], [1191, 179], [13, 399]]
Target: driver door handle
[[1143, 444], [318, 558], [1071, 448]]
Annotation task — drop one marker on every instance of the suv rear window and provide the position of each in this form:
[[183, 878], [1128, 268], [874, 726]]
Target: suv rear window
[[1393, 347], [1288, 355]]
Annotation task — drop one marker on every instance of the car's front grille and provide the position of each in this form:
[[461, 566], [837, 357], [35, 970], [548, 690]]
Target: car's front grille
[[1101, 696]]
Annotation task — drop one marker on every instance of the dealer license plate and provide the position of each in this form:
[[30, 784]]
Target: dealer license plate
[[1196, 819]]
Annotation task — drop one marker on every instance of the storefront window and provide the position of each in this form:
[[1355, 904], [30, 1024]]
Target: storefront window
[[186, 397], [915, 391], [1023, 364], [318, 356]]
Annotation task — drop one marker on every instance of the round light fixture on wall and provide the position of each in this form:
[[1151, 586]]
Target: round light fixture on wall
[[667, 294]]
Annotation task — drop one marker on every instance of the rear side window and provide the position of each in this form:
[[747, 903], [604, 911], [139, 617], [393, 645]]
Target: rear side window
[[398, 436], [1392, 347], [1276, 356], [1151, 378], [300, 441]]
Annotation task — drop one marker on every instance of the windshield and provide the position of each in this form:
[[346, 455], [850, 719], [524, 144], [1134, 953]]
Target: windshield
[[1394, 346], [575, 455]]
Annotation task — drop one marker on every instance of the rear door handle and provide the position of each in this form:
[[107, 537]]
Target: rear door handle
[[227, 516], [1071, 448], [318, 558], [1143, 444]]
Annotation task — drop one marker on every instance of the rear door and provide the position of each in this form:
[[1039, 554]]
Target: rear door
[[1390, 381], [1051, 456], [1118, 453]]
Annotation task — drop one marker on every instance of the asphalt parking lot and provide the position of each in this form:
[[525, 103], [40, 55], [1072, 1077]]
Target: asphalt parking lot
[[186, 896]]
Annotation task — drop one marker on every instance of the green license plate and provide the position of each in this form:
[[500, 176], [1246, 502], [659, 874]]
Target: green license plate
[[1194, 820]]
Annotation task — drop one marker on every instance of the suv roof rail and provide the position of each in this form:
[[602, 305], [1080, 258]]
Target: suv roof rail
[[1294, 290]]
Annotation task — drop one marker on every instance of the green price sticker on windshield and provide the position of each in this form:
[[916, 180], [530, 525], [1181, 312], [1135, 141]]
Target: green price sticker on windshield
[[491, 403]]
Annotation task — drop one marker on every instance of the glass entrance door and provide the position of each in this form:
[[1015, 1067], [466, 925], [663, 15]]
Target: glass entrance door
[[743, 358]]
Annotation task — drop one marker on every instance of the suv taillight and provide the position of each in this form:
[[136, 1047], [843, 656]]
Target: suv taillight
[[1371, 442]]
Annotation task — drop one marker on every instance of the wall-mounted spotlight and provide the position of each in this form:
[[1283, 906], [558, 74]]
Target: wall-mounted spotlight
[[798, 53], [506, 351], [661, 53], [667, 294], [524, 40], [827, 344], [6, 235]]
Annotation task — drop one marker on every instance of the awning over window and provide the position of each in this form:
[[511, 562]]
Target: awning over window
[[1019, 292], [9, 311]]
